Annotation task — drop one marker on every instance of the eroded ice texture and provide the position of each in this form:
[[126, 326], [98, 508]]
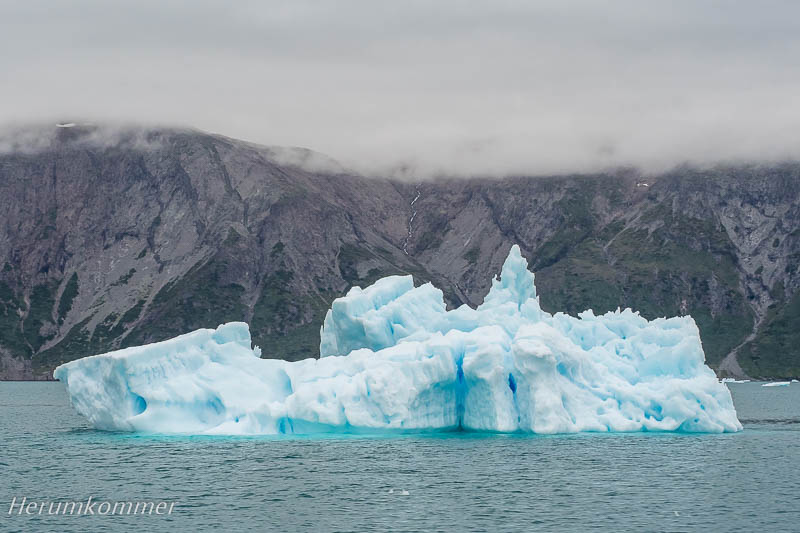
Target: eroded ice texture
[[394, 358]]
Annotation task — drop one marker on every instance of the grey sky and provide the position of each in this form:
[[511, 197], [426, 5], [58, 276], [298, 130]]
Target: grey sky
[[491, 87]]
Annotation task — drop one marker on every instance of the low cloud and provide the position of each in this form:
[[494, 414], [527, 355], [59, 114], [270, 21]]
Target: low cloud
[[32, 138], [489, 88]]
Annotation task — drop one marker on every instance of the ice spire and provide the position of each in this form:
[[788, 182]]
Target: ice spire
[[516, 283]]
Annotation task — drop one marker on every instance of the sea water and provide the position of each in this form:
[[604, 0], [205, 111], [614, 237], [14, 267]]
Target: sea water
[[454, 481]]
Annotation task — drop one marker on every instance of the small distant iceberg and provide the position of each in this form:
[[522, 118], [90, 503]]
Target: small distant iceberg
[[732, 380], [393, 358], [777, 384]]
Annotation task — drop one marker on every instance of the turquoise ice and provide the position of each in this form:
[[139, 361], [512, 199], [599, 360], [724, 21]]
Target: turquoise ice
[[394, 358]]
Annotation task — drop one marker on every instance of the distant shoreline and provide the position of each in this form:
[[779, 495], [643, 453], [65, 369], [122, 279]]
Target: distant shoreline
[[31, 380]]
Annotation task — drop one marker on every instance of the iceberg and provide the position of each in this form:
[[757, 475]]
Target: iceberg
[[393, 358], [777, 384]]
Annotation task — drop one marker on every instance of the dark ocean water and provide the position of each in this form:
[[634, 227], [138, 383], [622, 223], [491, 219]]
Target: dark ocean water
[[748, 481]]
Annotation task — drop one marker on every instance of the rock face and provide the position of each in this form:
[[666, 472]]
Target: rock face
[[113, 240]]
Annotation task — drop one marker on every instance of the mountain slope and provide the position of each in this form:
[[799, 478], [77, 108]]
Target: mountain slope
[[114, 241]]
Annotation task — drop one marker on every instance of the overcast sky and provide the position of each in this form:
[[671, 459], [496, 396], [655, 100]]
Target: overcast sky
[[493, 87]]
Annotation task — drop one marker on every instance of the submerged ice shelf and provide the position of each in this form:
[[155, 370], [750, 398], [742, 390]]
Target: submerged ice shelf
[[393, 358]]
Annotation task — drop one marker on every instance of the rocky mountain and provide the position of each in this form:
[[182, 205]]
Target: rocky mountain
[[112, 239]]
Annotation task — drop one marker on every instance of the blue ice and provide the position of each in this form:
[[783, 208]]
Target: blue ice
[[394, 358]]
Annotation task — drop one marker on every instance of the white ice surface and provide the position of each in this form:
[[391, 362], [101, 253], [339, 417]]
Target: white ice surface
[[393, 358]]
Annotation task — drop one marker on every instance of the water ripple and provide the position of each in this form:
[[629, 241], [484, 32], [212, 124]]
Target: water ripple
[[438, 482]]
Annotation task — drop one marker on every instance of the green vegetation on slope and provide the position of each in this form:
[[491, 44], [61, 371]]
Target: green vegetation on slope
[[284, 325], [200, 299], [74, 345], [776, 351], [125, 278], [67, 297], [11, 306], [40, 312], [685, 266]]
